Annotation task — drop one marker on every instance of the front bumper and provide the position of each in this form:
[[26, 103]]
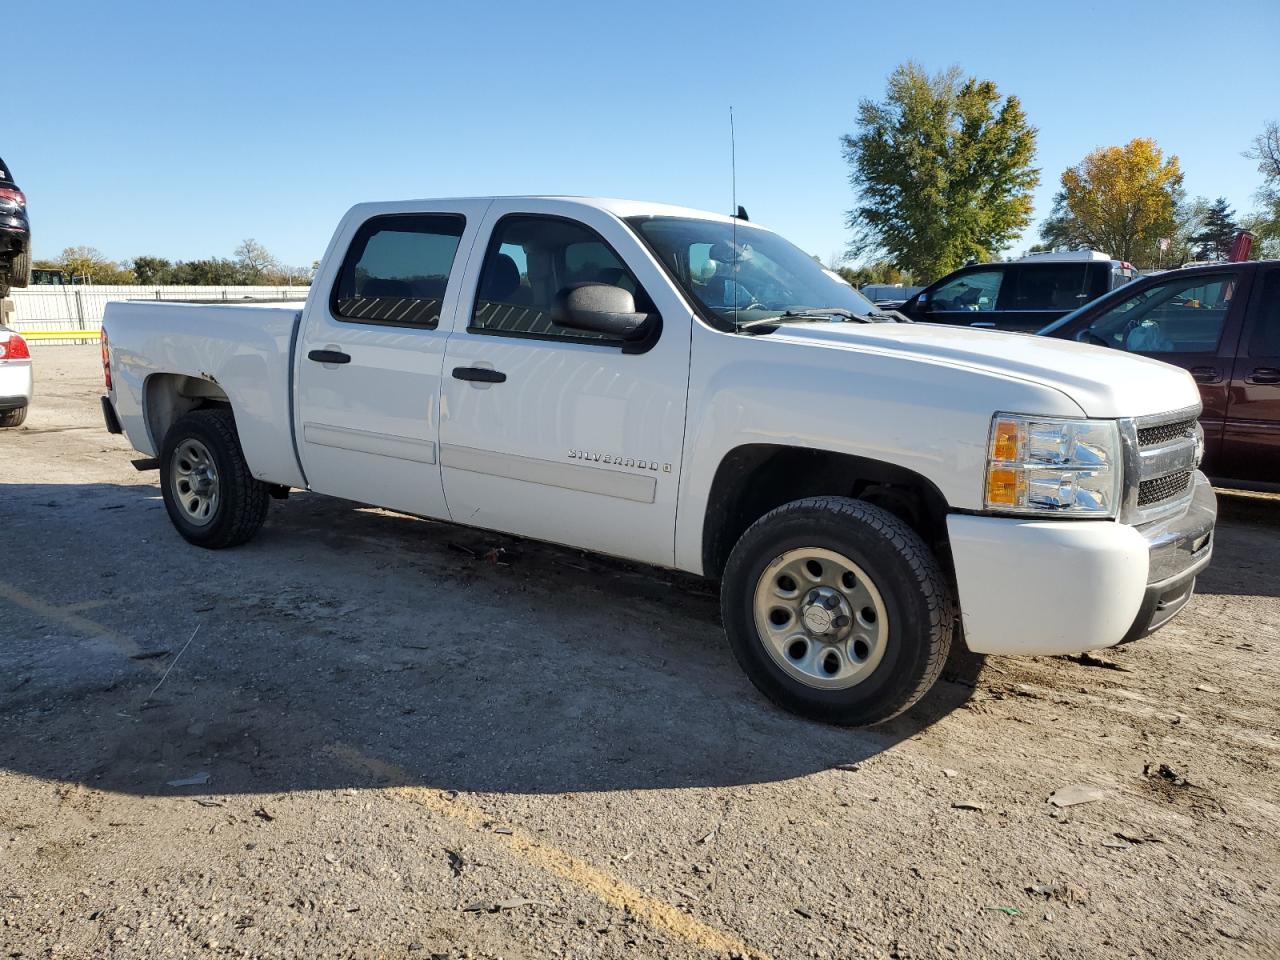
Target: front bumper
[[1052, 587]]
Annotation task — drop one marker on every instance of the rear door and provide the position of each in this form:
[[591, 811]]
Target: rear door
[[1251, 438], [546, 431], [1036, 294], [368, 368]]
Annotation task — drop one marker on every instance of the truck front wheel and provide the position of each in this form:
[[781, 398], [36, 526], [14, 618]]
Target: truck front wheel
[[211, 495], [837, 610]]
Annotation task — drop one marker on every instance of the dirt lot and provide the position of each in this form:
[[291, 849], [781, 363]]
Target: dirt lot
[[413, 751]]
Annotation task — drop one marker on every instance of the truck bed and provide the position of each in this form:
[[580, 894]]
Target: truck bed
[[243, 351]]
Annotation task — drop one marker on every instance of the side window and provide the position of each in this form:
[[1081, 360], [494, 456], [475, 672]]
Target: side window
[[1184, 315], [1050, 286], [977, 291], [1265, 341], [397, 269], [533, 258]]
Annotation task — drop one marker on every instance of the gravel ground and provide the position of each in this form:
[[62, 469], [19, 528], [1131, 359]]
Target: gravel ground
[[414, 740]]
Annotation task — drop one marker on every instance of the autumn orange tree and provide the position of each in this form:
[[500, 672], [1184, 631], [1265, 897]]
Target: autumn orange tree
[[1121, 200]]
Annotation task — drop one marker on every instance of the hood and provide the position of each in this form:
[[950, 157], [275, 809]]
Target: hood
[[1102, 381]]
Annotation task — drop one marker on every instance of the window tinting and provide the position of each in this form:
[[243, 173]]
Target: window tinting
[[1265, 341], [1050, 286], [397, 269], [976, 291], [533, 258], [1184, 315]]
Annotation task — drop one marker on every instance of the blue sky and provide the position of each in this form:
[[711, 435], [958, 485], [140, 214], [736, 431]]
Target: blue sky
[[178, 129]]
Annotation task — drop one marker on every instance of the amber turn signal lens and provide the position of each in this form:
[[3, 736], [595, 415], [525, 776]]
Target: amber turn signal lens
[[1004, 442], [1003, 486]]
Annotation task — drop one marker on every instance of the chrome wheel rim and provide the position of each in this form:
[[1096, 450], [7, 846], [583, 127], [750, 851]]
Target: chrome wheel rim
[[194, 481], [821, 618]]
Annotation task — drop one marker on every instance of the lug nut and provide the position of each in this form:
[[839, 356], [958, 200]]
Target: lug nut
[[842, 621], [831, 602]]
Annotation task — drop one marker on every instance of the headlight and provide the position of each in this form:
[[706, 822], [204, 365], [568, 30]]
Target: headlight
[[1041, 465]]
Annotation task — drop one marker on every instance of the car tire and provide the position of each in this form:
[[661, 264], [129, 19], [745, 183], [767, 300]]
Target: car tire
[[13, 418], [837, 610], [209, 492], [20, 269]]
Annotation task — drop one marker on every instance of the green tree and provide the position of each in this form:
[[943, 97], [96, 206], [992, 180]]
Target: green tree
[[1217, 230], [152, 270], [943, 171], [1121, 200], [88, 265], [1265, 223]]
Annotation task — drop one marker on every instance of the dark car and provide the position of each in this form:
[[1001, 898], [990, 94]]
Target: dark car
[[15, 234], [1220, 322], [1020, 295]]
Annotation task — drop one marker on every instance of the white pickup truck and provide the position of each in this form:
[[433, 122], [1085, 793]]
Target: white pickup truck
[[691, 391]]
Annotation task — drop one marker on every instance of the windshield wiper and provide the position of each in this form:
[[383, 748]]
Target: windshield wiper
[[808, 316]]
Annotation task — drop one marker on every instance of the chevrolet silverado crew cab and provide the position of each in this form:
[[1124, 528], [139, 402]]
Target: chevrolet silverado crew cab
[[691, 391]]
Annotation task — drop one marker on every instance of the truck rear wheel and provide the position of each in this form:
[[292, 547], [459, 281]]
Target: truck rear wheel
[[13, 418], [837, 610], [211, 495]]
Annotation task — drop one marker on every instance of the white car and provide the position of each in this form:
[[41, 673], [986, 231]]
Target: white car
[[15, 378], [690, 390]]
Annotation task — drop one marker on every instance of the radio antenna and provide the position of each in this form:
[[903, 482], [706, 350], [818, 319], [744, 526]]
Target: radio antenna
[[733, 189]]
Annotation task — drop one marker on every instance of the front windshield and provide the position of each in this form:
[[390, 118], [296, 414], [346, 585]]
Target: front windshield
[[761, 277]]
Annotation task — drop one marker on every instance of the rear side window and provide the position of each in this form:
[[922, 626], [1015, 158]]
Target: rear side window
[[397, 269], [1265, 341], [529, 261], [1050, 286]]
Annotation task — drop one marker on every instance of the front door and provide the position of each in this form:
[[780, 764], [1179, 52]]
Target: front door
[[1251, 439], [551, 432], [368, 375], [1192, 321], [969, 299]]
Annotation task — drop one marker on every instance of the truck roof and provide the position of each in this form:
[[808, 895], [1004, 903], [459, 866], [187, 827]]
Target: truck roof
[[617, 207]]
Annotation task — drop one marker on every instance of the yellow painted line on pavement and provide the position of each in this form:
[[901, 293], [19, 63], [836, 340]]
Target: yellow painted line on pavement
[[64, 616], [578, 872]]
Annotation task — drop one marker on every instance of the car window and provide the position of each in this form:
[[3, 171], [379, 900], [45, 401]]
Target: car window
[[1265, 341], [1182, 315], [976, 291], [397, 269], [1120, 276], [1050, 286], [530, 260]]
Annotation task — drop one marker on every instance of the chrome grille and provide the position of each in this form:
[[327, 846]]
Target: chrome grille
[[1162, 433], [1163, 488], [1160, 463]]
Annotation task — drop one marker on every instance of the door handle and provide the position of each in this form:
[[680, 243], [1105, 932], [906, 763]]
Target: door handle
[[479, 375], [1205, 375], [1263, 375], [329, 356]]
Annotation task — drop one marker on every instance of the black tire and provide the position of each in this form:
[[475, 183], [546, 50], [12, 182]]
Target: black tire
[[13, 418], [915, 592], [242, 500], [20, 269]]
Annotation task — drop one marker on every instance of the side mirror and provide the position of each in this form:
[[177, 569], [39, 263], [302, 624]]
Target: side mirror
[[599, 308]]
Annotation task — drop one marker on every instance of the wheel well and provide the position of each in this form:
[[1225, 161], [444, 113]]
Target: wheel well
[[167, 396], [754, 479]]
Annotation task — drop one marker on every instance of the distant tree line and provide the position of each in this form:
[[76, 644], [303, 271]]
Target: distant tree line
[[250, 265], [943, 167]]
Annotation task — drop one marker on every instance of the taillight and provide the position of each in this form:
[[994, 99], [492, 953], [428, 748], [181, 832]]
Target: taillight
[[15, 348], [13, 195], [106, 359]]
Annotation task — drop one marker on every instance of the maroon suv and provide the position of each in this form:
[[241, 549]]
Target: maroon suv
[[1221, 323]]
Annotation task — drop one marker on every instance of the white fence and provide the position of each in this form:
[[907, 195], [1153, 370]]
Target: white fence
[[52, 307]]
